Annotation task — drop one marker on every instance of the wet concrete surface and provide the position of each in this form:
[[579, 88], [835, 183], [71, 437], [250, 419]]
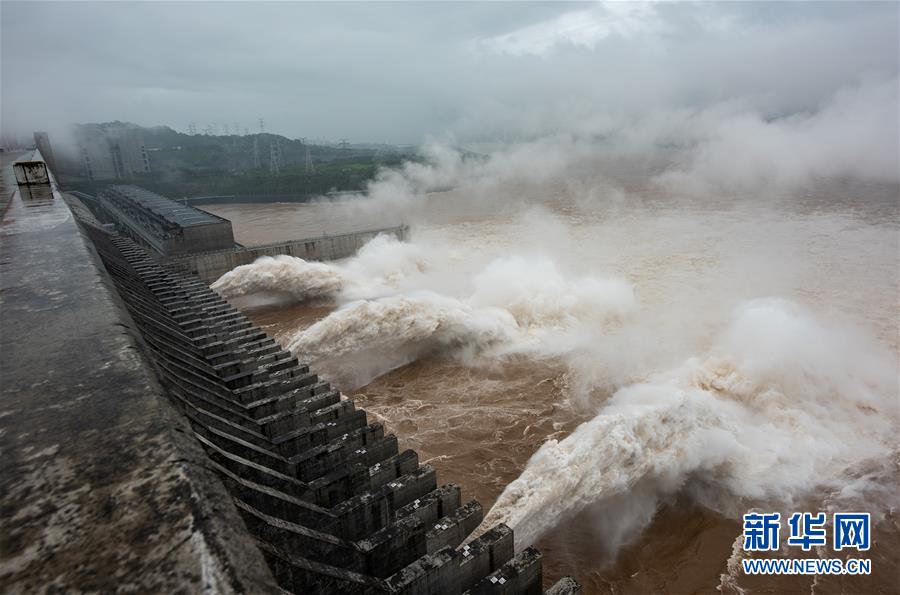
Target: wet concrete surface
[[102, 486], [7, 178]]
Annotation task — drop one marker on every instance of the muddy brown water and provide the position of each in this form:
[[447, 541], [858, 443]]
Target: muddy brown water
[[478, 425]]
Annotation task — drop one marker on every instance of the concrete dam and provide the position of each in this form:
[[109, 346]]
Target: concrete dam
[[155, 440], [201, 243]]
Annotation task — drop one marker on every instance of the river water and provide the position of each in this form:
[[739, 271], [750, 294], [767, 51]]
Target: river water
[[674, 360]]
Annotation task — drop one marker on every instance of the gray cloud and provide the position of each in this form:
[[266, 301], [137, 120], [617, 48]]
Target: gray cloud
[[399, 71]]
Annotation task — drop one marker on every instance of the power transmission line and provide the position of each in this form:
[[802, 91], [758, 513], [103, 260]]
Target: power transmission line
[[310, 168], [274, 156]]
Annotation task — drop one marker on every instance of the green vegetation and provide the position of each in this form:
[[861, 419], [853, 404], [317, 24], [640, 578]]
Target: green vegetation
[[343, 175], [201, 165]]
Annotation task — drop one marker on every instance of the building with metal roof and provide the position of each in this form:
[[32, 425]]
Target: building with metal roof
[[167, 226]]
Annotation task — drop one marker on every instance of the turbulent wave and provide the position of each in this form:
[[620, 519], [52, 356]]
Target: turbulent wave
[[782, 408], [517, 306], [304, 280], [382, 265], [366, 338], [421, 321], [393, 307]]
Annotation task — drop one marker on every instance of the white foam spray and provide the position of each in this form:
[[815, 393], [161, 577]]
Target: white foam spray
[[381, 266], [515, 306], [780, 409], [395, 322], [303, 280]]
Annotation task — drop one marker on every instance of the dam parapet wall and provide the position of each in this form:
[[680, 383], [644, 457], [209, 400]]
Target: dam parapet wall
[[233, 199]]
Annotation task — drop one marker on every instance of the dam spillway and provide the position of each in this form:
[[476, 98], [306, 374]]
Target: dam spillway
[[186, 448]]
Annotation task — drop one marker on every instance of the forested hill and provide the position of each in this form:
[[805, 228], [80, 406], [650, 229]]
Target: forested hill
[[202, 164]]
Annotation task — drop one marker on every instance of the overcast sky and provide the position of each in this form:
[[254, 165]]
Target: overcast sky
[[396, 72]]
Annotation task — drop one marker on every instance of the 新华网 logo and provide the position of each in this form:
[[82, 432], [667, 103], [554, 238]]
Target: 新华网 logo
[[849, 531]]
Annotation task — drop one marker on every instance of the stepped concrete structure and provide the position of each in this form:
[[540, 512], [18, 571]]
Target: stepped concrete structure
[[153, 439]]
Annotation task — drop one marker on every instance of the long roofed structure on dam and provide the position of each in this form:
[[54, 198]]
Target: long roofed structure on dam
[[154, 439], [167, 209], [167, 227]]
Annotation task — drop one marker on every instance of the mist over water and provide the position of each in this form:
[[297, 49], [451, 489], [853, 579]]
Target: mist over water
[[729, 349], [406, 300]]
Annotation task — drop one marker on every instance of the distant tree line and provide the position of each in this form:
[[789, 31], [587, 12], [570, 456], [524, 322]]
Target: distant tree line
[[202, 165]]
